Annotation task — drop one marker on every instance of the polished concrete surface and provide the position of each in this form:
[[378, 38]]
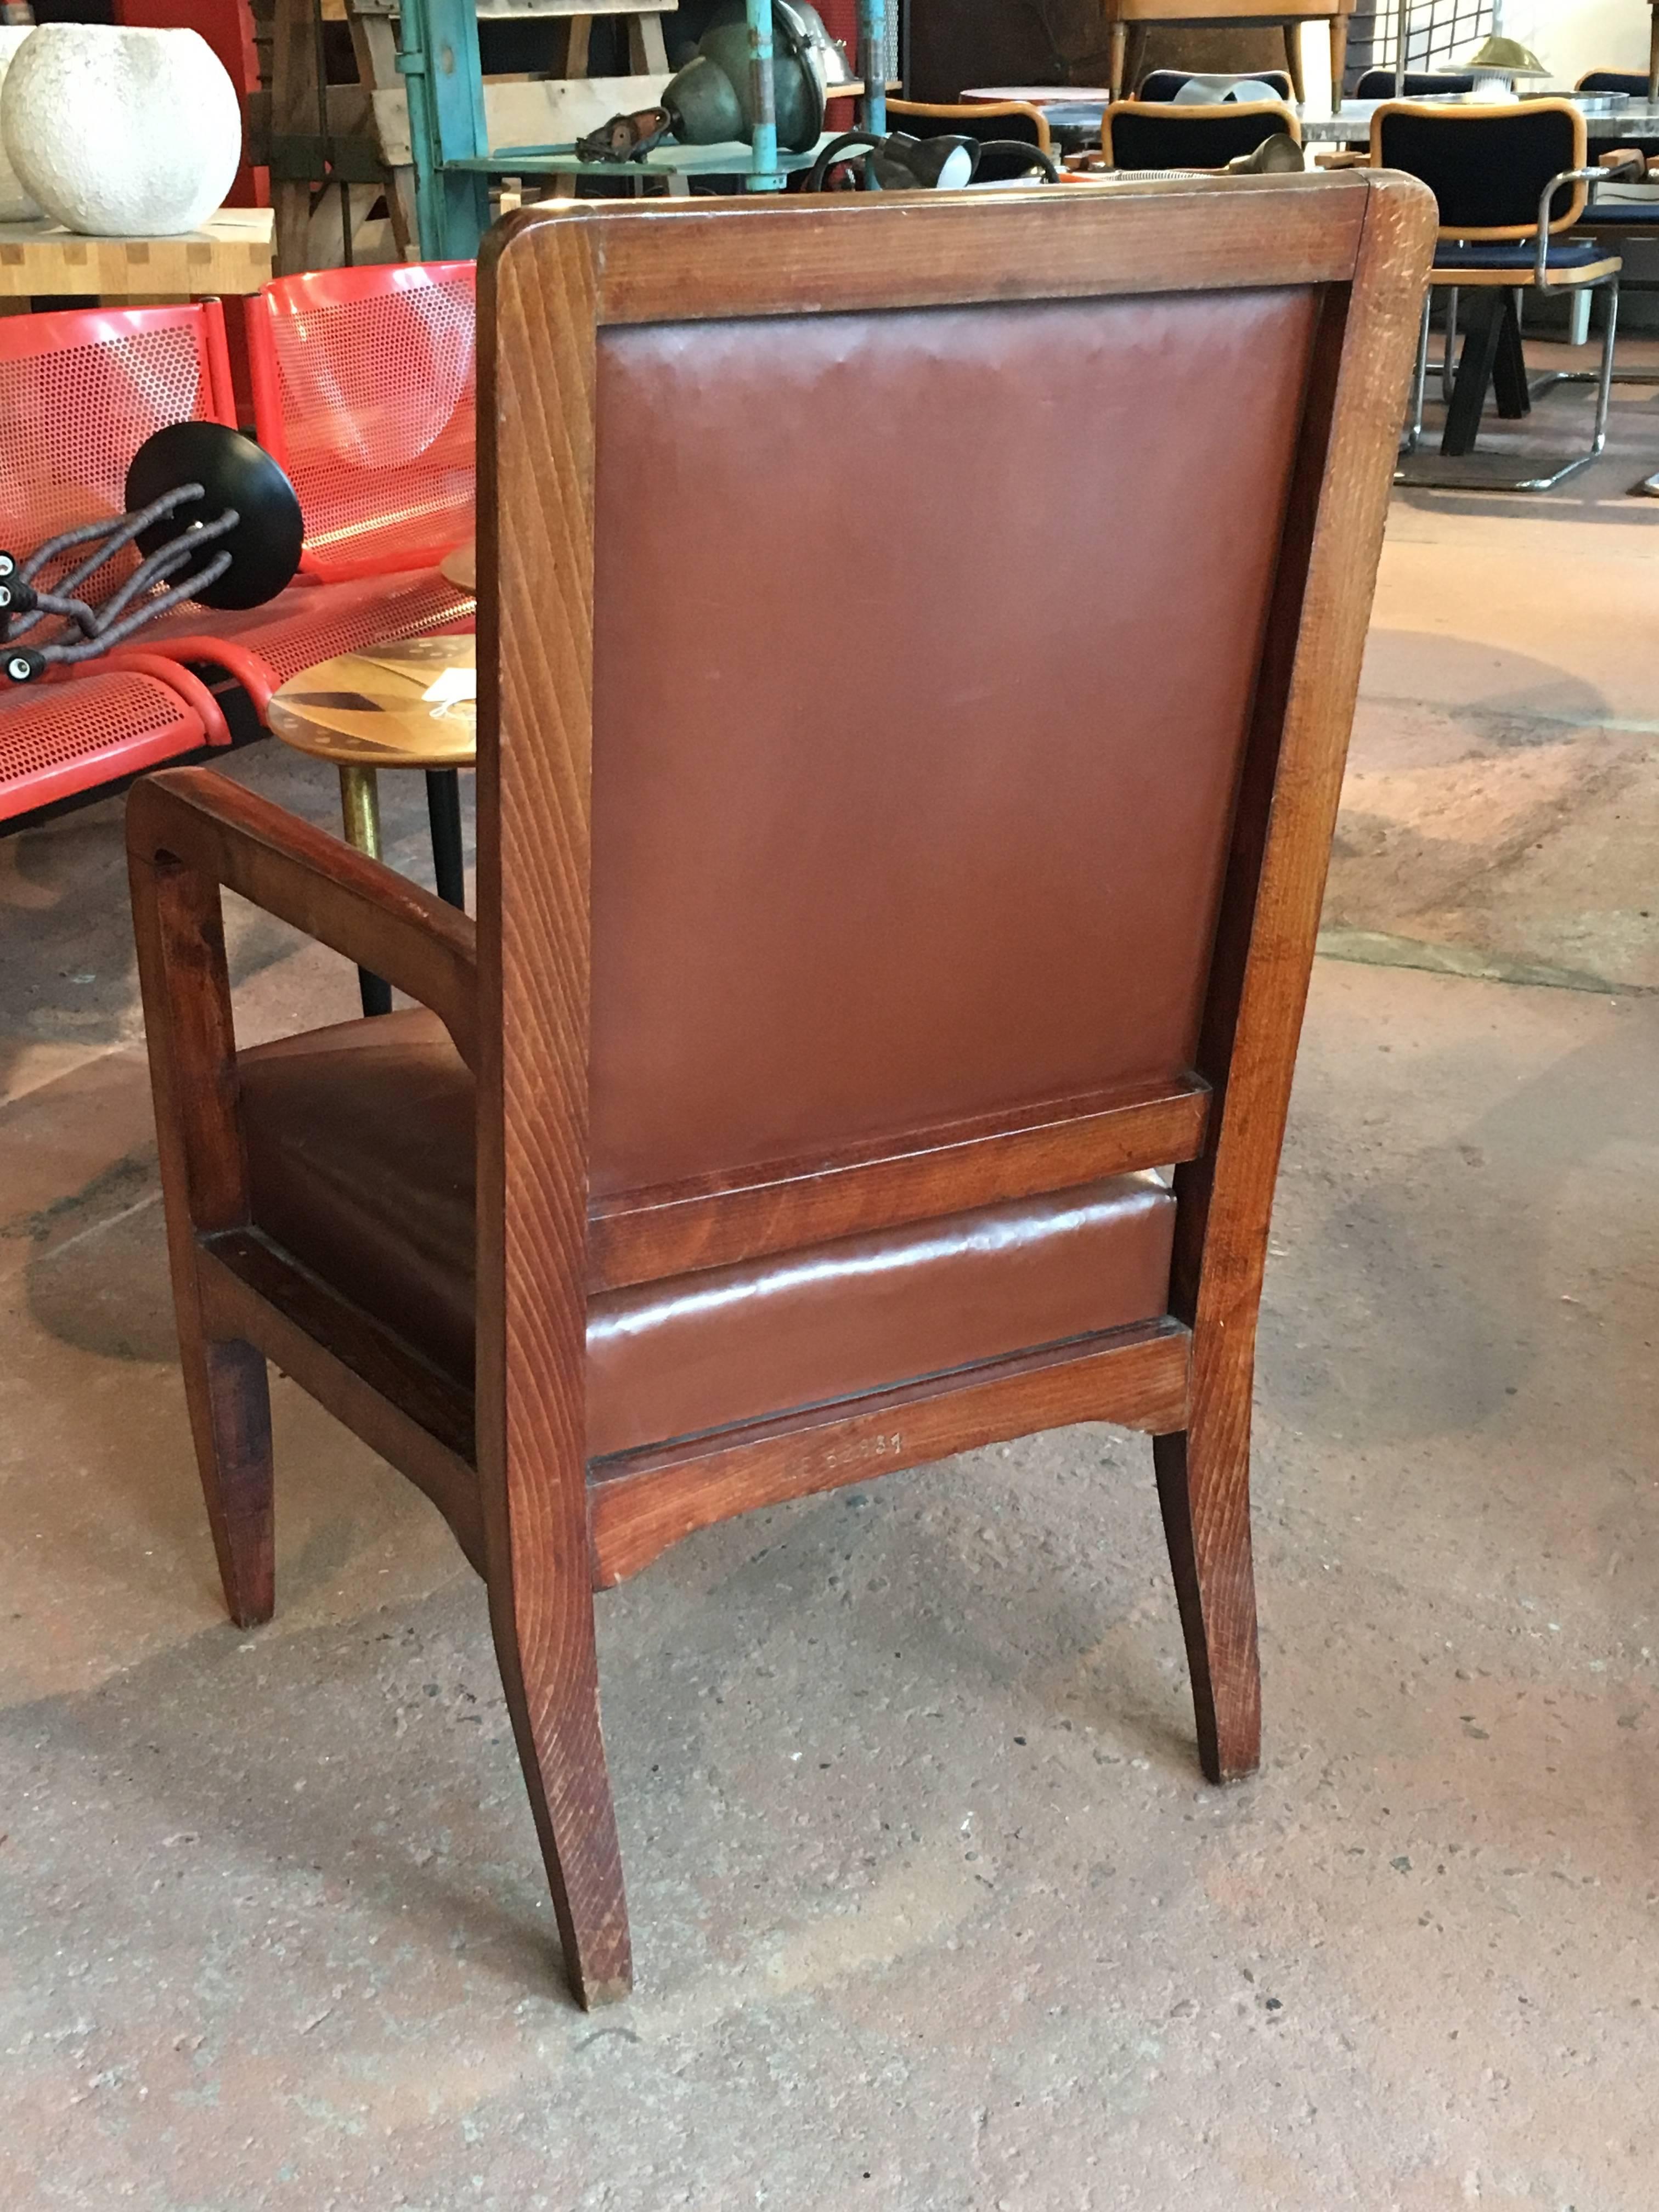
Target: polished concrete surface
[[931, 1906]]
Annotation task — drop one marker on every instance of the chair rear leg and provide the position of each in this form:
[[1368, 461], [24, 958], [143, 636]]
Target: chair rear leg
[[1204, 1489], [550, 1671], [229, 1393]]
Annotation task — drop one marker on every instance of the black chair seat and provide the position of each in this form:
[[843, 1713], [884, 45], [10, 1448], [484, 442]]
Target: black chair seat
[[1521, 255]]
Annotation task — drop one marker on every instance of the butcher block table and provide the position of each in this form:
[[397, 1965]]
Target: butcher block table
[[231, 252]]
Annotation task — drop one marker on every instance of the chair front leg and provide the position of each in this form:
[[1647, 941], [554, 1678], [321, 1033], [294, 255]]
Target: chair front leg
[[187, 1022]]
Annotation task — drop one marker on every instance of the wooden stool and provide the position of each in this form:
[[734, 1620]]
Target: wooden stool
[[367, 711]]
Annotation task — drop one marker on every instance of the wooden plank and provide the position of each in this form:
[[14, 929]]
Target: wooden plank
[[536, 112], [1284, 819], [296, 95], [306, 876], [513, 11], [537, 381], [398, 1403], [230, 253], [642, 1501], [179, 929], [1233, 14], [642, 1236], [791, 256]]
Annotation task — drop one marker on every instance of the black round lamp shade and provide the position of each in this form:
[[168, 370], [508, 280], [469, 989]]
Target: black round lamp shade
[[234, 472]]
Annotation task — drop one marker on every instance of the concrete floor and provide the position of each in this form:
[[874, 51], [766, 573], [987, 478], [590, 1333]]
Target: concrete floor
[[931, 1907]]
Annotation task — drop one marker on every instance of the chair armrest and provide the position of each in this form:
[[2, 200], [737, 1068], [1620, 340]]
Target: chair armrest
[[1600, 174], [194, 819]]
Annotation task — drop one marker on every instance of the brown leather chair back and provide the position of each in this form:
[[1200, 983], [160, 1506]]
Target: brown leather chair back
[[900, 825], [894, 827]]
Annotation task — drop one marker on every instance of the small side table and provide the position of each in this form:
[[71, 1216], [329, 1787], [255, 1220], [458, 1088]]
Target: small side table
[[367, 711]]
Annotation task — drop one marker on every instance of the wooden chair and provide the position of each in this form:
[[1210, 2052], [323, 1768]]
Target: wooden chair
[[788, 1119]]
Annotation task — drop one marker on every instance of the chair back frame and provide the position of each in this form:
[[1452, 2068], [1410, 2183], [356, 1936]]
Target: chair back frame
[[964, 116], [1451, 118], [1176, 117]]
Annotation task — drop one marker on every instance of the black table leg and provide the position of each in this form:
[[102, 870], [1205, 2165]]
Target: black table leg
[[443, 806], [1487, 309], [1509, 372]]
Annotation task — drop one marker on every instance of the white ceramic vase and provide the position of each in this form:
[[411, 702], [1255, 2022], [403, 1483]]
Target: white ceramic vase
[[15, 205], [121, 133]]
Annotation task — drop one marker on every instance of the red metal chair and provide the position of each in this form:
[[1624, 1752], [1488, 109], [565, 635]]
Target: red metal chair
[[80, 392], [364, 390]]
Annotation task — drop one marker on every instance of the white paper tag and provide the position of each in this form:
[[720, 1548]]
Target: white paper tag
[[452, 686]]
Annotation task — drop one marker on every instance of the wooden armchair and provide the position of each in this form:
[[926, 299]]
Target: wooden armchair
[[792, 1118]]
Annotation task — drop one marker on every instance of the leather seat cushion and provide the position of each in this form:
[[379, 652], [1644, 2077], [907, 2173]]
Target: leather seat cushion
[[361, 1160]]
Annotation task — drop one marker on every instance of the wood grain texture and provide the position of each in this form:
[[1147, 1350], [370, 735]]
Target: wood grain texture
[[1285, 815], [644, 1235], [291, 869], [535, 662], [401, 1406], [844, 253], [230, 253], [642, 1501], [185, 987]]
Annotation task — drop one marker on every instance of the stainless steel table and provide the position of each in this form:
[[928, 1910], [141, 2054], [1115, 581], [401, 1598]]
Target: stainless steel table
[[1609, 120]]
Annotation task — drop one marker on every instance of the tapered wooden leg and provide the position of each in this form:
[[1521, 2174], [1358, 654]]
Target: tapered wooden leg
[[545, 1641], [1134, 58], [1117, 40], [1339, 29], [1203, 1486], [230, 1399], [1293, 60]]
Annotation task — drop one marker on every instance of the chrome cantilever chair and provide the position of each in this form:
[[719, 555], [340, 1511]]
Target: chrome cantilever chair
[[1508, 181], [789, 1116]]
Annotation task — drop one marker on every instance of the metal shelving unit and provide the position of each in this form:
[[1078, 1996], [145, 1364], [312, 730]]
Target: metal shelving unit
[[438, 59]]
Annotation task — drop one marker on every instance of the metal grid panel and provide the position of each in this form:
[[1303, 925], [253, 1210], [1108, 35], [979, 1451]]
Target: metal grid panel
[[56, 739], [378, 396], [1438, 33], [72, 416]]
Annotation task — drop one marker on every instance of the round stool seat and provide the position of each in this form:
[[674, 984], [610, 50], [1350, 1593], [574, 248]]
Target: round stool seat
[[370, 709], [460, 567]]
